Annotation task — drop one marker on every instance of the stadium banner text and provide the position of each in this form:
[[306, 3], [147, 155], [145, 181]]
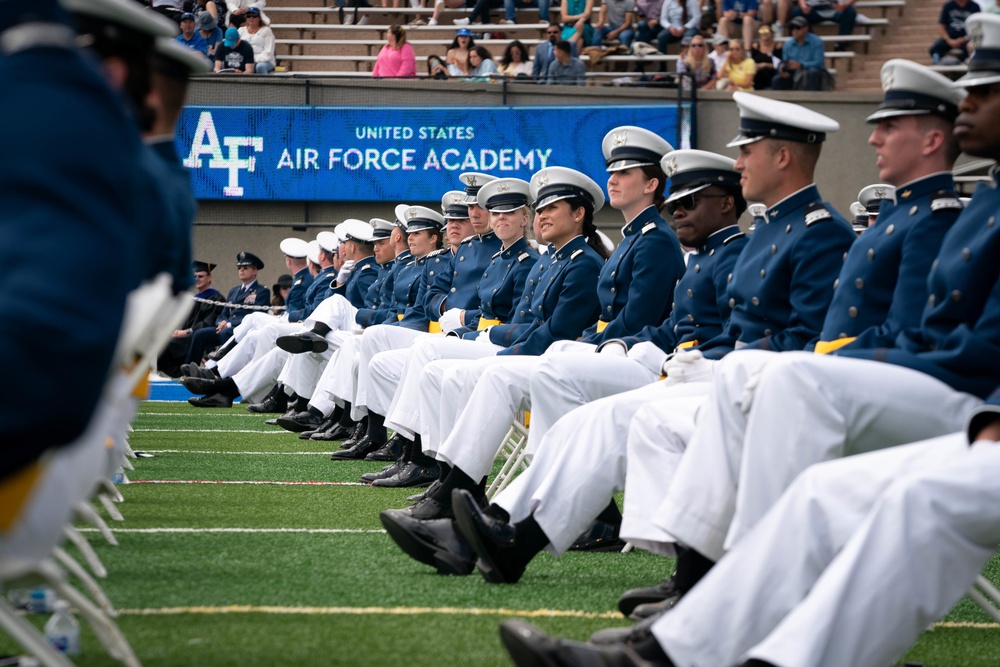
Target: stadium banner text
[[392, 154]]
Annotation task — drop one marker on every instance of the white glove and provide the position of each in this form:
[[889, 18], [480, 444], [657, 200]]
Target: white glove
[[345, 271], [484, 336], [451, 320], [649, 356], [689, 366], [613, 348]]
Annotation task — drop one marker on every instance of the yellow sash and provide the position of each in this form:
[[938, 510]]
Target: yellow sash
[[434, 327], [141, 389], [399, 317], [601, 326], [828, 346], [690, 343], [483, 323], [14, 491]]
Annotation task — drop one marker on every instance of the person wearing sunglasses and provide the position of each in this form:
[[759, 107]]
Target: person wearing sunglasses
[[545, 52], [697, 63]]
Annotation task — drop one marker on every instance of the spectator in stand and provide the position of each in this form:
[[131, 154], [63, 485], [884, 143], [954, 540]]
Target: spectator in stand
[[741, 13], [279, 292], [172, 9], [457, 57], [189, 37], [738, 71], [697, 63], [648, 24], [439, 6], [678, 19], [436, 67], [257, 33], [209, 6], [575, 18], [766, 55], [614, 23], [951, 25], [239, 8], [545, 52], [566, 69], [234, 55], [480, 12], [841, 12], [720, 49], [396, 58], [483, 66], [510, 7], [515, 62], [210, 32], [801, 60]]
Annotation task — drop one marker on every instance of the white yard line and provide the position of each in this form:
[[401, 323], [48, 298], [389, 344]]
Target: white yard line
[[252, 482], [318, 531]]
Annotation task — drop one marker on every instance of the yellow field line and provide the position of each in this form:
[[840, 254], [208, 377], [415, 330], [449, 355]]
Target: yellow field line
[[416, 611], [388, 611]]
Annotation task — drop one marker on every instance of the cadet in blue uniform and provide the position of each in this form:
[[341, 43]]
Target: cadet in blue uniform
[[925, 485], [456, 288], [249, 293], [631, 288], [870, 201], [78, 191]]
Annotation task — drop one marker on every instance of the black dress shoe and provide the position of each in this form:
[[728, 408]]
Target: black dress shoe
[[530, 647], [360, 431], [634, 597], [493, 540], [199, 385], [417, 497], [358, 451], [211, 401], [436, 543], [409, 475], [301, 421], [390, 451], [427, 509], [387, 471], [270, 404], [301, 342], [336, 431], [323, 426], [601, 536], [630, 634], [654, 609], [196, 371]]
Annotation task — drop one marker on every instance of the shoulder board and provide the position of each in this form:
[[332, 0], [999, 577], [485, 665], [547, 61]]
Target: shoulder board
[[434, 253], [945, 200], [733, 238], [297, 282], [365, 266], [523, 256], [576, 253], [648, 227], [817, 213]]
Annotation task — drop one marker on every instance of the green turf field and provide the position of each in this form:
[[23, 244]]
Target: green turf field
[[258, 573]]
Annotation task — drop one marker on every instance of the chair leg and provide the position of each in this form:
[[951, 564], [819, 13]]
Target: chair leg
[[986, 596], [93, 588], [30, 639], [89, 555]]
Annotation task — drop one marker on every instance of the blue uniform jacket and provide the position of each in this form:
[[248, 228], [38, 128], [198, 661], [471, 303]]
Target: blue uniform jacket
[[501, 285], [636, 283], [882, 287], [257, 295], [783, 281], [701, 306], [79, 193], [565, 299], [385, 308], [958, 341], [424, 269], [295, 304], [362, 277], [458, 289], [179, 211], [522, 319], [322, 287]]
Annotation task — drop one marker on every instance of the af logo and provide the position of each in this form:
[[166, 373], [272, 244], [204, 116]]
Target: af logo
[[206, 142]]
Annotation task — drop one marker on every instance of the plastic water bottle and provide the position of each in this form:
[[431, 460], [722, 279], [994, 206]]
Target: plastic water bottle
[[41, 600], [63, 631]]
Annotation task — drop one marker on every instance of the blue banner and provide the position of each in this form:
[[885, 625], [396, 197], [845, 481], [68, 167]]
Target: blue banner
[[392, 154]]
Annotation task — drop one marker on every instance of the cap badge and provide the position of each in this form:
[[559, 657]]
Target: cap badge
[[472, 181], [879, 193], [543, 180], [503, 187], [242, 256], [457, 199], [671, 167], [976, 35], [620, 138], [888, 77], [411, 214]]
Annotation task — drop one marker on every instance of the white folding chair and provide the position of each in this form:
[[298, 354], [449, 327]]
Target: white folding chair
[[512, 448], [986, 595]]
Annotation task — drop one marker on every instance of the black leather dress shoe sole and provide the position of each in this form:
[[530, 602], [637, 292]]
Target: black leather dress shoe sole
[[211, 401], [302, 342], [634, 597], [199, 385], [474, 526], [435, 543]]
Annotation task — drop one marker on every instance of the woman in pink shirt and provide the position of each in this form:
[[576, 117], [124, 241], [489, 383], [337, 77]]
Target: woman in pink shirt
[[396, 58]]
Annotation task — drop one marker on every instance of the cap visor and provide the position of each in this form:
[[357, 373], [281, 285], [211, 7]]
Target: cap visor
[[973, 79], [742, 140], [894, 113], [680, 194]]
